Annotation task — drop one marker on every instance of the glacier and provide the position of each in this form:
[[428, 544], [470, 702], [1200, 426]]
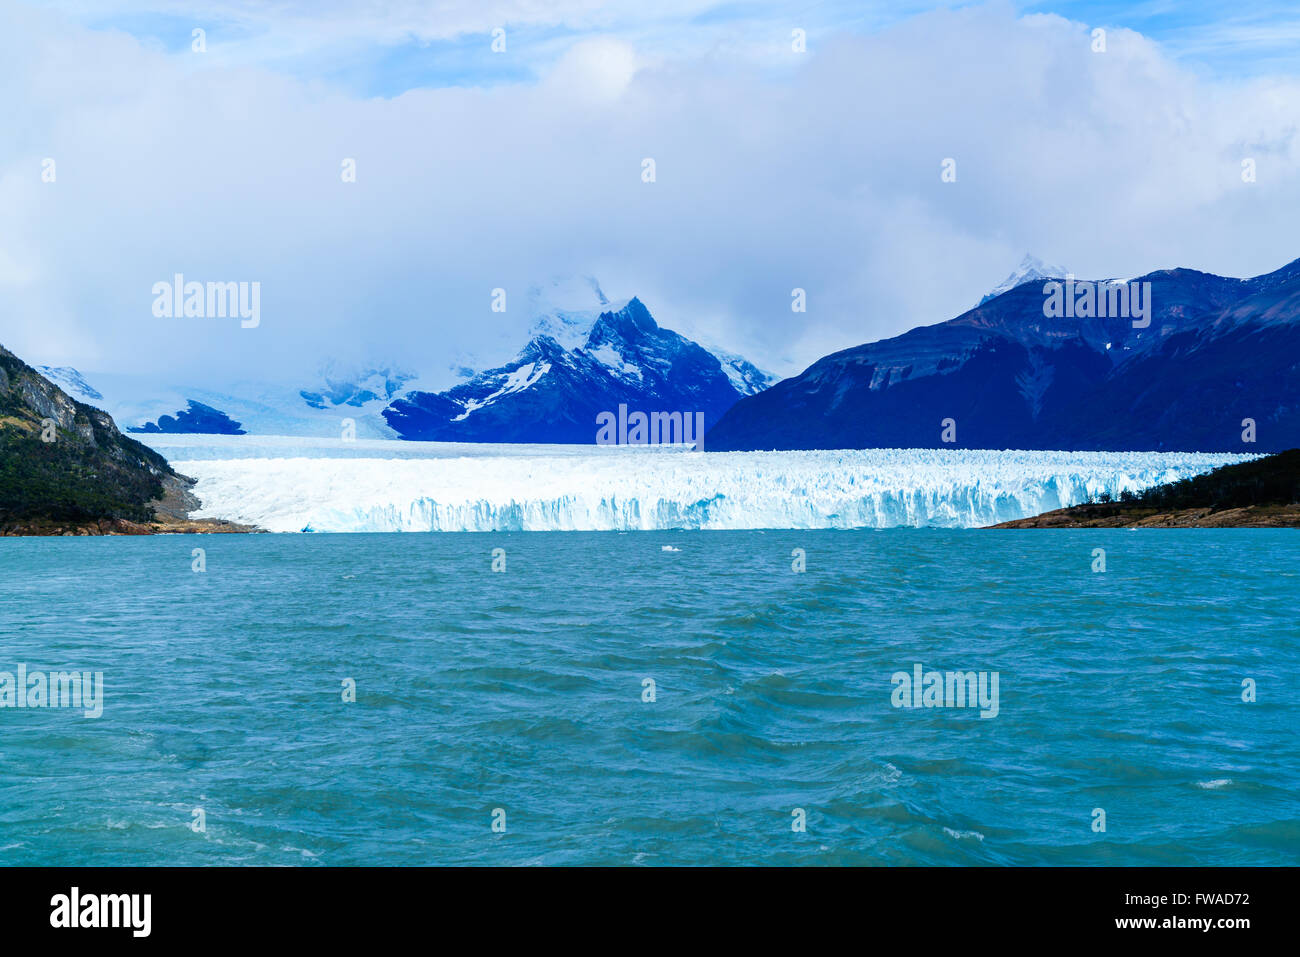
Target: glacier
[[292, 484]]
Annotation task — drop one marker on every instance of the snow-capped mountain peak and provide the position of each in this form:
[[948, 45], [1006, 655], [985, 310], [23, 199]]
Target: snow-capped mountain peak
[[1031, 269], [356, 386], [565, 328], [72, 382], [514, 380], [555, 387], [566, 309]]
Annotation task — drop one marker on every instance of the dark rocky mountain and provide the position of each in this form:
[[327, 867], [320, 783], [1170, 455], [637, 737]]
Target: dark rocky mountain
[[196, 418], [64, 461], [550, 393], [1217, 351]]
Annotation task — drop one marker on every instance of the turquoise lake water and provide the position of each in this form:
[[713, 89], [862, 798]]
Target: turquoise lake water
[[523, 691]]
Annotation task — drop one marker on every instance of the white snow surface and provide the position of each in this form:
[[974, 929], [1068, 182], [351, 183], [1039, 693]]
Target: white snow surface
[[613, 360], [517, 381], [292, 484]]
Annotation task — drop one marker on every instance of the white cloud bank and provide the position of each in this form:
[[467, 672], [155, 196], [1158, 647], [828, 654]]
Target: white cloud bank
[[819, 171]]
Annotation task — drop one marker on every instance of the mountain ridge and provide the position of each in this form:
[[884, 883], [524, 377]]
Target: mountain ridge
[[613, 349], [552, 393], [1218, 351]]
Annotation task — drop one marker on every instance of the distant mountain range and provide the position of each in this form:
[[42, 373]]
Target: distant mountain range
[[1217, 352], [585, 355]]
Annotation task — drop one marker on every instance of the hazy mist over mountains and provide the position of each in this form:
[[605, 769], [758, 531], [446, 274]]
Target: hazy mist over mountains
[[531, 166]]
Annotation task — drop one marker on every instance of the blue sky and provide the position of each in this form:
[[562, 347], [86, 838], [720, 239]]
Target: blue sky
[[1229, 38], [373, 58], [477, 170]]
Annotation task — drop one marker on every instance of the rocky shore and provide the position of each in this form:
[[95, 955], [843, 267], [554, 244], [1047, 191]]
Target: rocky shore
[[1102, 516], [171, 517], [66, 468]]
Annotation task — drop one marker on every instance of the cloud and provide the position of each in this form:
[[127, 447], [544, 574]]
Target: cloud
[[819, 171], [596, 69]]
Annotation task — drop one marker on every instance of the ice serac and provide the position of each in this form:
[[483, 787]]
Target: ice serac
[[420, 487]]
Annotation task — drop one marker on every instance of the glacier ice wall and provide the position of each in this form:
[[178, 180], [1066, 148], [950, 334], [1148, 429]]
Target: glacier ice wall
[[291, 485]]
